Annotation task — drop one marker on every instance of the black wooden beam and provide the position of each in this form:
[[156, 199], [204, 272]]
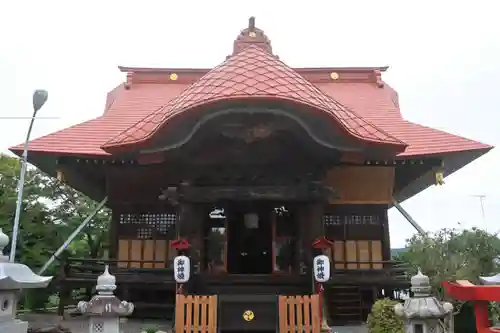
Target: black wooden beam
[[304, 192]]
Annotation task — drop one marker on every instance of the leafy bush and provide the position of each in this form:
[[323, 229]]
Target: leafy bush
[[382, 318]]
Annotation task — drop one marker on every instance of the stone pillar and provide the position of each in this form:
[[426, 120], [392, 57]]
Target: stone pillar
[[424, 313], [104, 309], [13, 278]]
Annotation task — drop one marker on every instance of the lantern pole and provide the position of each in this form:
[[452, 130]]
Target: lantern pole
[[39, 99]]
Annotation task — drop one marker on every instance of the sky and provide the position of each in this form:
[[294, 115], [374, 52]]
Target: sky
[[444, 59]]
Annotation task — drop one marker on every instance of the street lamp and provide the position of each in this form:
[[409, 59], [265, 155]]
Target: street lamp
[[39, 99]]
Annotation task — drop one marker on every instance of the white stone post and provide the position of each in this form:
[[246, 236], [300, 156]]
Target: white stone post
[[13, 278], [104, 309], [424, 313]]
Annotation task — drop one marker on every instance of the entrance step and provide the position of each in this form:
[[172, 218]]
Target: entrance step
[[345, 304]]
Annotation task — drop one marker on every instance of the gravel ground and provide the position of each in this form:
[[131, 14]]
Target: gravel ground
[[79, 325]]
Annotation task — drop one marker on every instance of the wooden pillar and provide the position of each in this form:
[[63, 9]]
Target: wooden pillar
[[386, 241], [190, 227], [113, 234], [312, 223]]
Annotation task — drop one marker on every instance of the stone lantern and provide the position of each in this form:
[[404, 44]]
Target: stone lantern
[[14, 278], [105, 309], [424, 313]]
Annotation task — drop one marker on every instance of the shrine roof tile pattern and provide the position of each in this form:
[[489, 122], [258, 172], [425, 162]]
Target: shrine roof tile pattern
[[253, 73], [359, 101]]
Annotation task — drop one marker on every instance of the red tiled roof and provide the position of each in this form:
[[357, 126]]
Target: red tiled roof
[[130, 106], [253, 73], [359, 102]]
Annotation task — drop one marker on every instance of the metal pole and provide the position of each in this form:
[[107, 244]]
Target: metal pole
[[481, 198], [39, 98], [72, 236], [20, 188], [408, 217]]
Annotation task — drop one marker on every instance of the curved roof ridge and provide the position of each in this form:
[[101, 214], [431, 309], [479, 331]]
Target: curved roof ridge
[[253, 73]]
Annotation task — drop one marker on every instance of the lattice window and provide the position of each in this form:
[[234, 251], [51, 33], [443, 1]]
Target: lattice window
[[329, 220], [149, 222], [165, 222], [97, 328], [334, 220], [431, 328], [144, 233], [371, 219], [354, 219]]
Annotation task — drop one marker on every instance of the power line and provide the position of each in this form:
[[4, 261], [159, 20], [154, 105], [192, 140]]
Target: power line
[[22, 118]]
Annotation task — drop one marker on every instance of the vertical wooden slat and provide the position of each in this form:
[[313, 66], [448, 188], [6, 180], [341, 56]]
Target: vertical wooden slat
[[307, 314], [136, 253], [204, 317], [377, 254], [212, 315], [315, 317], [154, 250], [351, 254], [179, 314], [148, 253], [299, 305], [189, 313], [160, 253], [339, 254], [129, 253], [283, 314], [364, 254], [291, 313], [123, 250], [196, 314]]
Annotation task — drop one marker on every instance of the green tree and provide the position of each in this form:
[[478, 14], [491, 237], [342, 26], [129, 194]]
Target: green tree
[[451, 254], [50, 211], [71, 208]]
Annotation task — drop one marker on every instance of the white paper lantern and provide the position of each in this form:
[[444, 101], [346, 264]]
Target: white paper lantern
[[321, 268], [182, 269]]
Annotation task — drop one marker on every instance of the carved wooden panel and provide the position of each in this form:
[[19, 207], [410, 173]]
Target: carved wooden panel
[[362, 184]]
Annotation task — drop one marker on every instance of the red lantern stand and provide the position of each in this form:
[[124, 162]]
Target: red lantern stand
[[480, 295], [322, 244]]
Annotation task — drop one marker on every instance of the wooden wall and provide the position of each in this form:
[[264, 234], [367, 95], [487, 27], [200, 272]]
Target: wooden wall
[[358, 234], [362, 184], [142, 239]]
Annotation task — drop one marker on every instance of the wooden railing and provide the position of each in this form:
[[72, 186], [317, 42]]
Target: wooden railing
[[83, 270], [390, 271], [195, 314], [299, 314]]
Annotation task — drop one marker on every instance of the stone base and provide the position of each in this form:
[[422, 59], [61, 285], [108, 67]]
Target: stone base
[[14, 326]]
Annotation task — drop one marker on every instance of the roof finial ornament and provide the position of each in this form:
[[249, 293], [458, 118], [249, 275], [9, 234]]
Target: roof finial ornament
[[252, 36], [251, 23]]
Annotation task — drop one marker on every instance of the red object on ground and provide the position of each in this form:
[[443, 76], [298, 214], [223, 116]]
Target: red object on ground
[[465, 291]]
